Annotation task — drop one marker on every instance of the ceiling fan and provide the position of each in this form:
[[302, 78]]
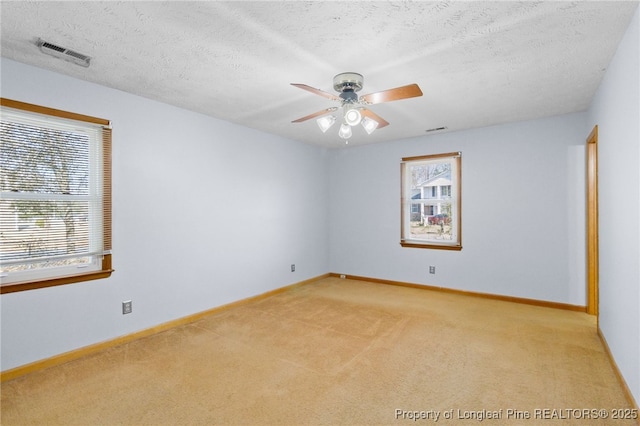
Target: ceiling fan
[[354, 107]]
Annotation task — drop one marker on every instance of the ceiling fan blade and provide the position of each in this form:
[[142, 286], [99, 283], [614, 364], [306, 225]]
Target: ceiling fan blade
[[316, 91], [372, 115], [315, 114], [404, 92]]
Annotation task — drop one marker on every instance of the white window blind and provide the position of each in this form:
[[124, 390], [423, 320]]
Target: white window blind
[[52, 188]]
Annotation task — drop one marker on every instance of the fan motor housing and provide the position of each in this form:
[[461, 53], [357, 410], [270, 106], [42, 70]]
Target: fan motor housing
[[348, 81], [348, 96]]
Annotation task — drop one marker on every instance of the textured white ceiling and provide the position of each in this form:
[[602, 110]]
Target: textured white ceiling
[[478, 63]]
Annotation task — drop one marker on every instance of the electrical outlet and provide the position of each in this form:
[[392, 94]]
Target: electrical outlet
[[293, 267], [343, 276], [127, 307], [432, 269]]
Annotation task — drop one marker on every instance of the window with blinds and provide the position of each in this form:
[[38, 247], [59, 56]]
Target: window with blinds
[[55, 197], [431, 202]]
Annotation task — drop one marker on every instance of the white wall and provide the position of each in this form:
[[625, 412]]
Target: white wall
[[616, 111], [204, 213], [523, 203]]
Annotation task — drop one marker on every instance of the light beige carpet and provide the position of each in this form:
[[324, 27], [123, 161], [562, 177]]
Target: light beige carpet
[[339, 352]]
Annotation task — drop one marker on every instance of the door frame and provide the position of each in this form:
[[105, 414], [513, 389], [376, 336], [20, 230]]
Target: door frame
[[592, 222]]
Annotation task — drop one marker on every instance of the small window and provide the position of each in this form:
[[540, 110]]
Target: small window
[[431, 202], [55, 197]]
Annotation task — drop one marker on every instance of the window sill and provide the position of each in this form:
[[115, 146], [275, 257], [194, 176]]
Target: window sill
[[51, 282], [414, 244]]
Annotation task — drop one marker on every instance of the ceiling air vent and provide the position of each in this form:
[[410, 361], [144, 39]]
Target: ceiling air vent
[[436, 129], [63, 53]]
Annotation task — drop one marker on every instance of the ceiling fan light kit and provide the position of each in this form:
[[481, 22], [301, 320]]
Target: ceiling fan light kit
[[352, 115], [354, 108], [345, 131], [369, 125], [326, 122]]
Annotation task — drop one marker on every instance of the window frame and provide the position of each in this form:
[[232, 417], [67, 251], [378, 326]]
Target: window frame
[[405, 203], [106, 269]]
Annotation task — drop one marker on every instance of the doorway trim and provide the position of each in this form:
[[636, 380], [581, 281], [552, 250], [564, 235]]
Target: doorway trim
[[592, 222]]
